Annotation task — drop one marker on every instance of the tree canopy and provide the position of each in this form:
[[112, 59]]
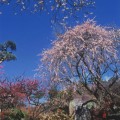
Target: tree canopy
[[60, 9], [6, 50], [82, 57]]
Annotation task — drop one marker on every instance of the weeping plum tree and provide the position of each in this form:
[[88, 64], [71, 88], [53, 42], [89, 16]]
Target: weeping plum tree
[[6, 51], [83, 57]]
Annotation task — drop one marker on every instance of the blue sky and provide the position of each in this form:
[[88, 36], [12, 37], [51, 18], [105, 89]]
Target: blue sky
[[33, 32]]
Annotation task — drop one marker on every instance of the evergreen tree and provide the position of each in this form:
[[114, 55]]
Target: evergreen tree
[[6, 51]]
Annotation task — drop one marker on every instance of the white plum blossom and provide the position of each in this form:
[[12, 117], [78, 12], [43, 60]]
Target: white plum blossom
[[86, 53]]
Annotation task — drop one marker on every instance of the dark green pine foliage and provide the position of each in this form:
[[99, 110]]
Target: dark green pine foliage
[[6, 51]]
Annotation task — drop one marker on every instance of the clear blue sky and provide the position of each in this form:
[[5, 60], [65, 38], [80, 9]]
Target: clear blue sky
[[32, 33]]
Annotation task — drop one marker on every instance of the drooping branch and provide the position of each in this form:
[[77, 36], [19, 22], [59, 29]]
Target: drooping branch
[[85, 54]]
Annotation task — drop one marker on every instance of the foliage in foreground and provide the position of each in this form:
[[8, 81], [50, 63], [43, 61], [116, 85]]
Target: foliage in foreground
[[59, 115], [61, 10]]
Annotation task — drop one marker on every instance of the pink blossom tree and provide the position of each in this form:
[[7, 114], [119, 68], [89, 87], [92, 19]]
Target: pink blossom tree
[[82, 57]]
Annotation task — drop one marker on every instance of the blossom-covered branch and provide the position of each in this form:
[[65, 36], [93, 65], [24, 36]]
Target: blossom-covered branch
[[85, 55]]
